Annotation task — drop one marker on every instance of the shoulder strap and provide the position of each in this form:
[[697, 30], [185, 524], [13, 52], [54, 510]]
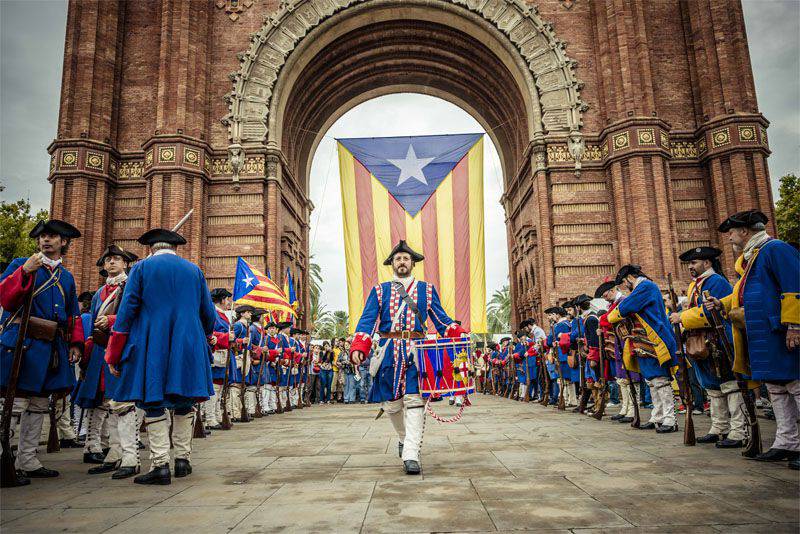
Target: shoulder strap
[[408, 300]]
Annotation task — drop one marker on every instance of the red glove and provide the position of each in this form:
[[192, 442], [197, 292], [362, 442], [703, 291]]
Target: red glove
[[455, 330], [361, 342], [564, 342], [273, 354]]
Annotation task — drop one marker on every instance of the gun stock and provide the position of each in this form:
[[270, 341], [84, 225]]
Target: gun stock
[[226, 416], [601, 379], [8, 473], [198, 430], [688, 424], [752, 445], [53, 445]]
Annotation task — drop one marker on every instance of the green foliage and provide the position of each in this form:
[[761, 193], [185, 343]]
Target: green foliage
[[498, 311], [333, 325], [16, 222], [787, 209]]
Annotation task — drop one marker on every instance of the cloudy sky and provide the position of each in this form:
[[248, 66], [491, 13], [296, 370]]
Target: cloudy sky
[[31, 56]]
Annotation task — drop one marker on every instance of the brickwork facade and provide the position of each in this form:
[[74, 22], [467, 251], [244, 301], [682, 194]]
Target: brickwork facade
[[626, 129]]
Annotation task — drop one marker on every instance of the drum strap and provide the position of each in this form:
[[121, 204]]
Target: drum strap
[[409, 301]]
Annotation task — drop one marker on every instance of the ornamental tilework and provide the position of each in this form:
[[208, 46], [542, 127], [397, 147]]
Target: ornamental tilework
[[747, 134], [646, 136], [720, 137], [69, 158], [621, 141], [166, 154], [94, 161], [191, 156]]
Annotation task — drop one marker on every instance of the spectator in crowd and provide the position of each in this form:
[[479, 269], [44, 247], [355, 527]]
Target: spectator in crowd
[[366, 380], [325, 373], [314, 382], [349, 371]]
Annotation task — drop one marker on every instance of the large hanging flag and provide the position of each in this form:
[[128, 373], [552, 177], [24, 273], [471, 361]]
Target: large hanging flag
[[252, 287], [427, 190]]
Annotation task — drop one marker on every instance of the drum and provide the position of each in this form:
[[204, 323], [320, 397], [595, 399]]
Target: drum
[[446, 367]]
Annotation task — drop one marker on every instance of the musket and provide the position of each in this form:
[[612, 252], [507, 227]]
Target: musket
[[53, 445], [581, 366], [261, 366], [547, 383], [527, 397], [245, 417], [688, 429], [198, 430], [279, 374], [752, 445], [183, 220], [226, 416], [561, 403], [601, 402], [8, 473], [637, 422]]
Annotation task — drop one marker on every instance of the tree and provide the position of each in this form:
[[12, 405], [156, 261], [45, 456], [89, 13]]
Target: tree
[[16, 222], [787, 209], [333, 325], [499, 311]]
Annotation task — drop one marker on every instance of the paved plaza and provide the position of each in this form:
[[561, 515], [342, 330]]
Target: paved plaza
[[506, 466]]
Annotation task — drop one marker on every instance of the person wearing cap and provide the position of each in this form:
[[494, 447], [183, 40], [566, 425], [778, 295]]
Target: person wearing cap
[[728, 421], [609, 292], [96, 391], [525, 362], [255, 377], [47, 360], [764, 310], [241, 335], [286, 358], [274, 350], [559, 340], [222, 357], [535, 337], [160, 350], [644, 306], [587, 323], [399, 310]]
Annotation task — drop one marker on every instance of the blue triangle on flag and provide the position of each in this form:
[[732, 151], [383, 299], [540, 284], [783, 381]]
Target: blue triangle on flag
[[411, 168]]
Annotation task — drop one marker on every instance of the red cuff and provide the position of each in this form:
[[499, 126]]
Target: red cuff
[[76, 336], [111, 320], [87, 353], [14, 288], [114, 349], [564, 342], [223, 340], [455, 330], [273, 354], [257, 351], [361, 342], [604, 324]]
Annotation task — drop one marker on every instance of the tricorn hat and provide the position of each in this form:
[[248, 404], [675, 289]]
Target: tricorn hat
[[160, 235], [402, 246], [54, 226], [86, 295], [114, 250], [270, 324], [219, 293], [581, 299], [743, 219], [244, 308], [284, 324], [558, 310], [526, 323], [627, 270], [700, 253], [602, 288]]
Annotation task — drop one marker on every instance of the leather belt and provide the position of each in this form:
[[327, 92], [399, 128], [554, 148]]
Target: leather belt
[[403, 334]]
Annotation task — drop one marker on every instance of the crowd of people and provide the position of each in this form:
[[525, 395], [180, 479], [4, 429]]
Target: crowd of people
[[146, 352]]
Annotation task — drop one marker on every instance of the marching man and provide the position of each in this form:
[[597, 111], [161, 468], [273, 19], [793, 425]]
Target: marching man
[[160, 349], [400, 309]]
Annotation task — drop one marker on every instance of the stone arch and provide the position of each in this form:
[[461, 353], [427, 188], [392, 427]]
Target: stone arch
[[551, 89]]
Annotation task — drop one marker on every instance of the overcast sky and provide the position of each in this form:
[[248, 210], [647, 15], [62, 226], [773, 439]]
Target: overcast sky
[[31, 56]]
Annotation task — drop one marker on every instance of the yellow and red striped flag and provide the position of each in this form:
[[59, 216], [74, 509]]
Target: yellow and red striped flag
[[427, 190], [252, 287]]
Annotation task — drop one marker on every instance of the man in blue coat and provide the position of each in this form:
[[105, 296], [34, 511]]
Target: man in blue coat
[[223, 360], [49, 353], [559, 340], [764, 310], [399, 311], [728, 422], [650, 349], [160, 349]]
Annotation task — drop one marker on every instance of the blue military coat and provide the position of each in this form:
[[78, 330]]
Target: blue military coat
[[383, 303], [562, 327], [57, 302], [161, 335]]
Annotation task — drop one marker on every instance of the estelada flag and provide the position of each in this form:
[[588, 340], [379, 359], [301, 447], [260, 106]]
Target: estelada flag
[[252, 287], [427, 190]]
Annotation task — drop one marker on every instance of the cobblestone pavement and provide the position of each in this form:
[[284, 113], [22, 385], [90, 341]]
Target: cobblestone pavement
[[505, 466]]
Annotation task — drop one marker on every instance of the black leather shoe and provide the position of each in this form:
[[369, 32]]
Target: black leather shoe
[[709, 438], [182, 468], [794, 464], [776, 455], [215, 427], [125, 472], [140, 445], [647, 426], [158, 476], [625, 420], [400, 449], [42, 472], [70, 444], [103, 468], [663, 429], [105, 451], [93, 457], [411, 467], [729, 444], [22, 480], [616, 417]]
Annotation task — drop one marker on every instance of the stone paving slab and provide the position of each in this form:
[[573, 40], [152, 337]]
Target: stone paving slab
[[507, 467]]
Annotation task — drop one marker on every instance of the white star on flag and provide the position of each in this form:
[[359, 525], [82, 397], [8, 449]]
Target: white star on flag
[[411, 166], [248, 280]]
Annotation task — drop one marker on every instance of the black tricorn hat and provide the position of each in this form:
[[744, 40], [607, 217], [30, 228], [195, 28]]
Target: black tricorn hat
[[284, 324], [270, 324], [743, 219], [54, 226], [219, 293], [160, 235], [526, 323], [244, 308], [567, 304], [114, 250], [402, 246], [294, 331], [257, 313], [558, 310], [86, 295], [700, 253], [505, 339], [602, 288], [627, 270], [581, 299]]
